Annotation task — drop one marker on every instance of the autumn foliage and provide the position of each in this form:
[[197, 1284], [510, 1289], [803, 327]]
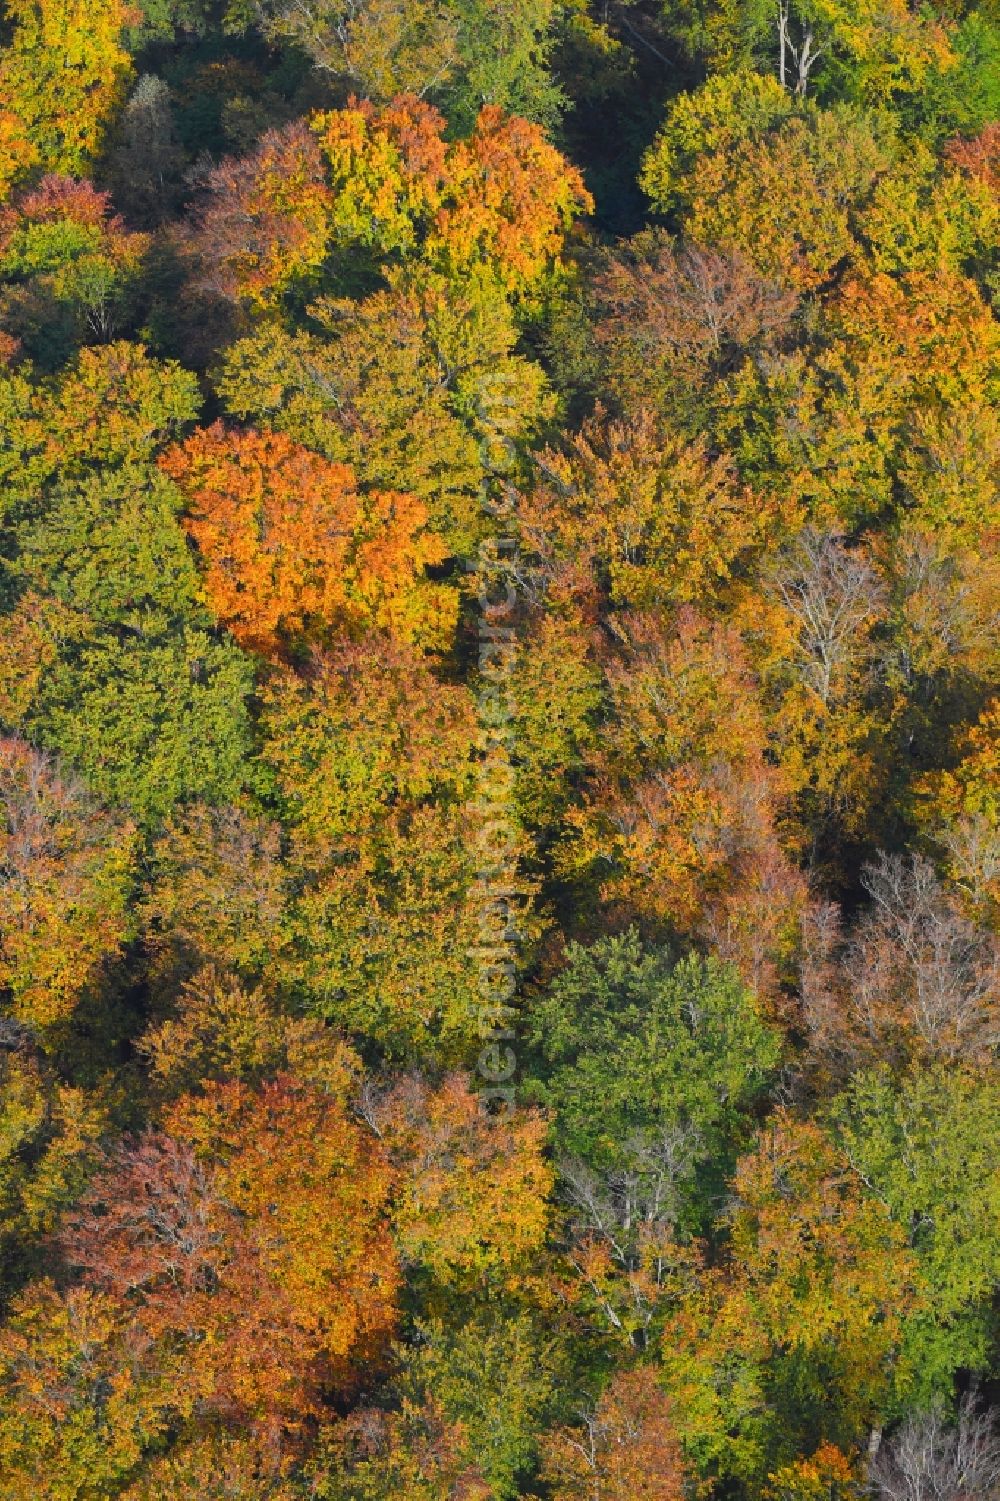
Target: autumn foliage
[[386, 182], [198, 1223], [499, 787], [67, 876], [293, 549]]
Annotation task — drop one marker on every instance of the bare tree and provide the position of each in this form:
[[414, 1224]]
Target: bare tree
[[630, 1211], [973, 848], [946, 970], [946, 617], [929, 1459], [916, 976], [835, 597]]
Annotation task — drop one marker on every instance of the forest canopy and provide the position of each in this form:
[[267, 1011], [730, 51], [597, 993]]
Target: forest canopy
[[499, 771]]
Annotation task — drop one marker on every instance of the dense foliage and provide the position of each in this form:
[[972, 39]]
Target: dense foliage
[[499, 771]]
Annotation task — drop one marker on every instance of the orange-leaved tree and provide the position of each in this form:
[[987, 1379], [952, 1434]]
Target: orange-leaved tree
[[250, 1237], [264, 225], [679, 815], [234, 1271], [659, 518], [293, 548], [388, 184], [502, 199]]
